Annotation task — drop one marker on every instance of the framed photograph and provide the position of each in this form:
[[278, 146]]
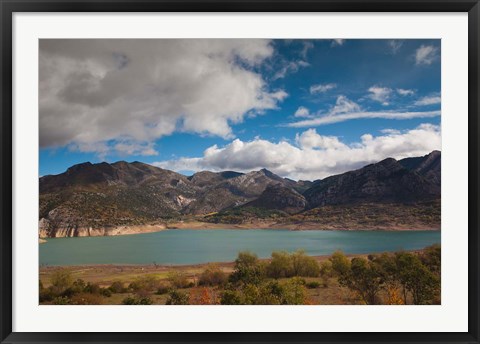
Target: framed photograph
[[239, 172]]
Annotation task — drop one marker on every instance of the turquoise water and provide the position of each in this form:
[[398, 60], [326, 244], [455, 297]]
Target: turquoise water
[[201, 246]]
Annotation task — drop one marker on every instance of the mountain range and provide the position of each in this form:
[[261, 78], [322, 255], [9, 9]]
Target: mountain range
[[94, 199]]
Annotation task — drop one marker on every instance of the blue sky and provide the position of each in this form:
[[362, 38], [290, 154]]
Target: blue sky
[[304, 109]]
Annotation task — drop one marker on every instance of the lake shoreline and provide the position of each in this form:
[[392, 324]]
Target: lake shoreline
[[155, 268]]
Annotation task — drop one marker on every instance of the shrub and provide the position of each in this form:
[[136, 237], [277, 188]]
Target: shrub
[[61, 300], [304, 265], [294, 292], [61, 279], [162, 289], [105, 292], [117, 287], [92, 288], [326, 272], [78, 286], [212, 275], [340, 263], [145, 283], [280, 266], [46, 295], [231, 297], [312, 285], [137, 301], [248, 269], [177, 298]]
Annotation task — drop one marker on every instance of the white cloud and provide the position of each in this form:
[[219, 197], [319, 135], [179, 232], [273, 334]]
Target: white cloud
[[331, 118], [429, 100], [321, 88], [380, 94], [302, 112], [405, 92], [306, 47], [394, 45], [338, 42], [289, 67], [314, 156], [344, 105], [311, 140], [426, 55], [121, 95]]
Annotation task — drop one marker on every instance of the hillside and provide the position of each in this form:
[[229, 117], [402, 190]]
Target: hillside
[[98, 199]]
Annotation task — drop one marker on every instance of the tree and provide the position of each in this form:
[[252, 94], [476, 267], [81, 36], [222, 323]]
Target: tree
[[212, 275], [340, 264], [364, 278], [280, 266], [230, 297], [247, 270], [416, 278], [61, 279], [304, 265], [326, 272], [294, 292], [431, 257]]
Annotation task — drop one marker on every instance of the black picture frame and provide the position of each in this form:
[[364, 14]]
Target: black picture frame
[[9, 7]]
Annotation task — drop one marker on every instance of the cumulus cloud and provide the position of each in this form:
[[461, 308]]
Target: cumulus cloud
[[429, 100], [380, 94], [302, 111], [426, 55], [313, 156], [321, 88], [405, 92], [121, 95]]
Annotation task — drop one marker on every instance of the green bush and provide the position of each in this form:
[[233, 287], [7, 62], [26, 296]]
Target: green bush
[[230, 297], [326, 272], [280, 266], [61, 279], [247, 269], [304, 266]]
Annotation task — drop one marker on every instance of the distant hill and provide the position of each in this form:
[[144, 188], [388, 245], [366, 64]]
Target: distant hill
[[91, 196]]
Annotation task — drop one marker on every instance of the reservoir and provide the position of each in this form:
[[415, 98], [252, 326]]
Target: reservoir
[[184, 246]]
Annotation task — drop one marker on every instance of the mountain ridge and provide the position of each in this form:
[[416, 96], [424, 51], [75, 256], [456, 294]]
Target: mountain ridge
[[90, 196]]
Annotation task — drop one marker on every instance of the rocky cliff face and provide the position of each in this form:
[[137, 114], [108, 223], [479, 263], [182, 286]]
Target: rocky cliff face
[[387, 181], [280, 197]]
